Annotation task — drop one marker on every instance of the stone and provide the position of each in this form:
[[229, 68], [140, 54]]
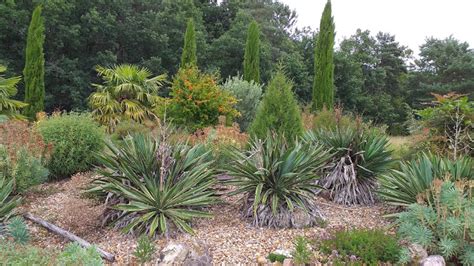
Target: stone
[[283, 252], [261, 260], [288, 262], [434, 260], [417, 253], [194, 253], [173, 254], [198, 255]]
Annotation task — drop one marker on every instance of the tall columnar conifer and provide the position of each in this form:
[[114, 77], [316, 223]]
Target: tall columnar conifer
[[34, 65], [252, 54], [323, 86], [188, 56], [278, 111]]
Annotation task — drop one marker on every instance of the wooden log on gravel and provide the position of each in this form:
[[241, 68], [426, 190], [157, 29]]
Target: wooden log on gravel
[[58, 230]]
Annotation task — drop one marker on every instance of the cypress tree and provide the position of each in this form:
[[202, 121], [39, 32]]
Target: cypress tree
[[278, 111], [252, 54], [34, 65], [188, 57], [323, 86]]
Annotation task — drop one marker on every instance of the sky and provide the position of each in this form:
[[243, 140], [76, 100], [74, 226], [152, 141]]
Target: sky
[[411, 21]]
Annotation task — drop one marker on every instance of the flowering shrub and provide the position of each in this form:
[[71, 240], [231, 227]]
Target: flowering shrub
[[197, 101]]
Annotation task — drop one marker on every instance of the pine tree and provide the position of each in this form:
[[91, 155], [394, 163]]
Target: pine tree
[[323, 86], [278, 111], [34, 65], [252, 54], [188, 56]]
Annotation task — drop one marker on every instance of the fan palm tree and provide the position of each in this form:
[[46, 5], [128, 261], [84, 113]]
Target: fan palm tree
[[9, 107], [128, 93]]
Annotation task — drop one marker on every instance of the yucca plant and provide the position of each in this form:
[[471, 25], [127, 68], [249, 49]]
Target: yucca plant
[[153, 186], [403, 187], [7, 201], [277, 180], [128, 93], [360, 156]]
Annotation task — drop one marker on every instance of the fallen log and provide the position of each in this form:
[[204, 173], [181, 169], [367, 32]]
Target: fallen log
[[58, 230]]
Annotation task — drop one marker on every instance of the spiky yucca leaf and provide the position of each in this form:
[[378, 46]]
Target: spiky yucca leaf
[[360, 157], [402, 187], [7, 201], [156, 185], [276, 178]]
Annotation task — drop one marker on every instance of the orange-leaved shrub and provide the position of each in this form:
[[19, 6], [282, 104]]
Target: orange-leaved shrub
[[198, 101]]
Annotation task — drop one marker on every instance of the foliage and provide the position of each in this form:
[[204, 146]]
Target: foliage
[[370, 246], [278, 111], [252, 54], [17, 229], [248, 95], [302, 254], [370, 75], [197, 101], [403, 187], [28, 171], [218, 139], [145, 249], [323, 86], [443, 66], [444, 224], [451, 121], [16, 135], [8, 202], [360, 157], [11, 254], [75, 137], [74, 254], [276, 179], [128, 93], [273, 257], [154, 186], [188, 57], [9, 107], [34, 65], [127, 127]]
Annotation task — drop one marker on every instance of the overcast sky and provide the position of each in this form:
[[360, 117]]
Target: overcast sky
[[411, 21]]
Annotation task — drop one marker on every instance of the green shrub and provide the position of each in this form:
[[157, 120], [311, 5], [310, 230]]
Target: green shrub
[[402, 187], [155, 184], [360, 157], [273, 257], [445, 224], [450, 122], [248, 95], [369, 246], [145, 249], [7, 202], [17, 229], [75, 139], [278, 111], [277, 178], [11, 254], [128, 127], [197, 101], [302, 254], [28, 171], [73, 254]]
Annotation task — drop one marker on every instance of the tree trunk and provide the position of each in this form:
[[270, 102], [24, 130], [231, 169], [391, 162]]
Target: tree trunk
[[55, 229]]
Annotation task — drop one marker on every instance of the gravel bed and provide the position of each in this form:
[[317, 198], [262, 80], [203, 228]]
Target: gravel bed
[[231, 239]]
